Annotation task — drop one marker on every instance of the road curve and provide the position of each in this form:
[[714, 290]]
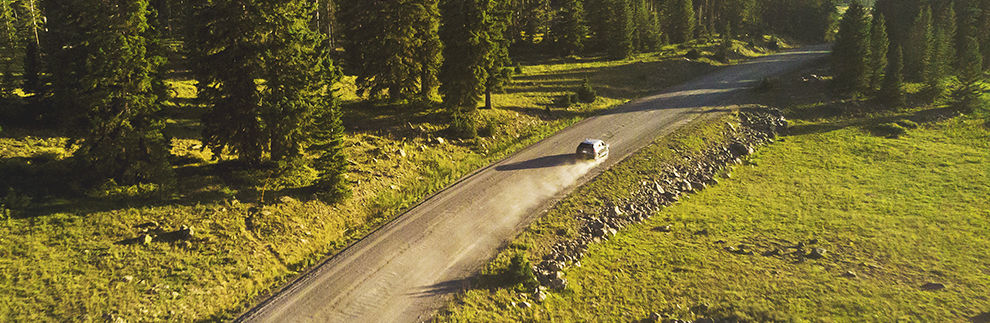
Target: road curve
[[400, 272]]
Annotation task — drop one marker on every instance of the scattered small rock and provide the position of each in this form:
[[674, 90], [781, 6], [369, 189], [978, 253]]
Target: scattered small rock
[[128, 278], [146, 239], [147, 225], [525, 304], [933, 286], [700, 308], [850, 274], [186, 232], [286, 200], [540, 296], [401, 153], [817, 253], [664, 228], [440, 140], [654, 317]]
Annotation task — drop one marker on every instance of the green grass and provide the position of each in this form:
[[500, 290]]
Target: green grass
[[898, 213], [59, 254]]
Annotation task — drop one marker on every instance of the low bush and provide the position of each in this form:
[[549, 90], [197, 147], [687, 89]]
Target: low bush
[[565, 100], [462, 125], [907, 124], [487, 128], [891, 130], [519, 272], [694, 53], [586, 93], [110, 190]]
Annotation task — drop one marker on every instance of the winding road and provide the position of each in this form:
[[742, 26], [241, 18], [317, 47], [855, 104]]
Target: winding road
[[402, 271]]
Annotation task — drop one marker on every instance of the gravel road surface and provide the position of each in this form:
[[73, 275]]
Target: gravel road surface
[[402, 271]]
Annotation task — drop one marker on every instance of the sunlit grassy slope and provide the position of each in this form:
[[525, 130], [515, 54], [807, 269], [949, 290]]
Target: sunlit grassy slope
[[895, 216], [254, 229]]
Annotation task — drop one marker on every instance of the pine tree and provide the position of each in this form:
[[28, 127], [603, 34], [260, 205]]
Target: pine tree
[[299, 75], [851, 54], [476, 51], [8, 45], [879, 49], [890, 92], [917, 61], [29, 24], [104, 84], [327, 142], [621, 30], [611, 23], [972, 60], [266, 77], [682, 20], [943, 51], [647, 28], [225, 43], [984, 23], [968, 97], [569, 29], [392, 46]]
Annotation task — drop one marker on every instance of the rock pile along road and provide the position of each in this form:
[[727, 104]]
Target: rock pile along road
[[402, 271]]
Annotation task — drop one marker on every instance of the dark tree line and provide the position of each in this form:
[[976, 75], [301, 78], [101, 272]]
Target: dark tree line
[[266, 69], [932, 42]]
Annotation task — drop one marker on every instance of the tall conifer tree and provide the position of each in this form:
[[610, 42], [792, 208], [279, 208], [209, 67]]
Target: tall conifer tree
[[893, 79], [944, 50], [476, 51], [104, 86], [879, 49], [851, 54], [682, 20], [917, 60], [8, 45], [392, 46], [569, 30], [267, 78]]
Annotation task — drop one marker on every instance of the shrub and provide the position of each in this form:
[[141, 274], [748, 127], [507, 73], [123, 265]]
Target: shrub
[[774, 44], [694, 53], [519, 272], [890, 130], [14, 200], [907, 124], [462, 125], [564, 101], [487, 128], [518, 69], [110, 190], [586, 93]]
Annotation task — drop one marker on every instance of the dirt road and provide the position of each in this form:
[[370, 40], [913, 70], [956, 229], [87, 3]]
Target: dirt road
[[401, 272]]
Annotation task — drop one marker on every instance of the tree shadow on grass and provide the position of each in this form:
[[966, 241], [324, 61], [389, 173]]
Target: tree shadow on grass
[[864, 121], [53, 187], [625, 81], [549, 113], [981, 318]]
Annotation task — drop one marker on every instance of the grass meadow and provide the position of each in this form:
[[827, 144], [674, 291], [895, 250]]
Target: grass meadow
[[903, 221]]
